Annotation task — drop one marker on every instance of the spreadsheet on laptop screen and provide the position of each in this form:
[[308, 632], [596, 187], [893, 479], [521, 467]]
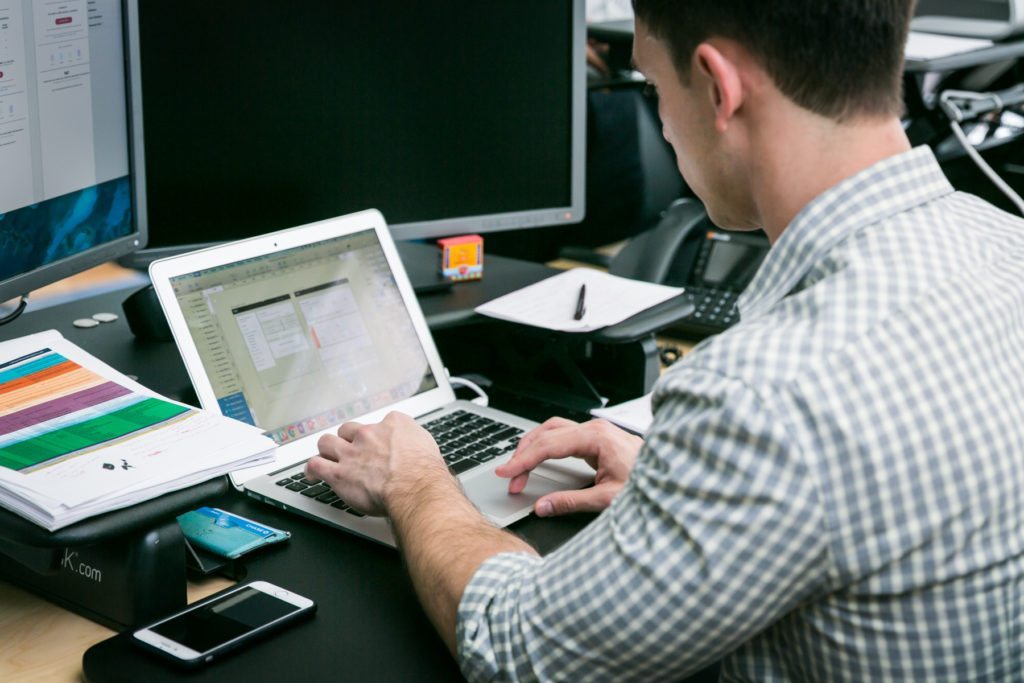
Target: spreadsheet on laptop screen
[[305, 338]]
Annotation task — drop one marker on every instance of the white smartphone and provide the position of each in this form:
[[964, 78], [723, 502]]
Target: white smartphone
[[204, 631]]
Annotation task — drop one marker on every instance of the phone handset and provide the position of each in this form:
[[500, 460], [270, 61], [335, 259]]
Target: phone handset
[[651, 256]]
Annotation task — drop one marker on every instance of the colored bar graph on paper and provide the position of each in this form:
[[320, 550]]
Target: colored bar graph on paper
[[31, 367], [52, 407], [61, 406]]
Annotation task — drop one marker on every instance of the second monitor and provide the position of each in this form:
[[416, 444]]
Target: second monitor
[[449, 117]]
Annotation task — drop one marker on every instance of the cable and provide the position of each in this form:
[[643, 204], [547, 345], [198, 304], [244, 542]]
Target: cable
[[481, 395], [974, 104], [10, 317], [986, 169]]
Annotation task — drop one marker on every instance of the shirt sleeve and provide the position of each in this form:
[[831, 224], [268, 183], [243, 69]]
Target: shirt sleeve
[[718, 533]]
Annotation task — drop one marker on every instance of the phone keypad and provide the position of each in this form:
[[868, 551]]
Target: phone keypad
[[713, 306]]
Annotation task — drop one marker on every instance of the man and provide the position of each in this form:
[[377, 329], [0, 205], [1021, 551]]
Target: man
[[833, 490]]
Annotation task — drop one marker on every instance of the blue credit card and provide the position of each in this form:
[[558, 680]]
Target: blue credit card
[[225, 534]]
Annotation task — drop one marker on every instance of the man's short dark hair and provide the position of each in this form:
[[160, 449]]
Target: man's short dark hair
[[838, 58]]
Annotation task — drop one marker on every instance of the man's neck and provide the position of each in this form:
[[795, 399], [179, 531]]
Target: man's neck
[[794, 164]]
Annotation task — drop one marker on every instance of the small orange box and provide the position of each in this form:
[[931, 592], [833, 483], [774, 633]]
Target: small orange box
[[462, 258]]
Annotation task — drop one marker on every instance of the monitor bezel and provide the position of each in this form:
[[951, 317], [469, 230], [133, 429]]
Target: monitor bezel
[[25, 283], [572, 213]]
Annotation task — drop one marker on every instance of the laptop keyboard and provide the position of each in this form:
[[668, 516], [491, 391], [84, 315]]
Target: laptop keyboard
[[318, 491], [465, 439]]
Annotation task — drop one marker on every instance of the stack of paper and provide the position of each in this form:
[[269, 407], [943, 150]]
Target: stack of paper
[[635, 415], [553, 303], [78, 438]]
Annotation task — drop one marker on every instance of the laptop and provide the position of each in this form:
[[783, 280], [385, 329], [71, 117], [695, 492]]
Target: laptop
[[301, 330]]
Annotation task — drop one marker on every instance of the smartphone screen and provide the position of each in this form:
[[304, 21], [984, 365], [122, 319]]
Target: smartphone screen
[[220, 621], [224, 622]]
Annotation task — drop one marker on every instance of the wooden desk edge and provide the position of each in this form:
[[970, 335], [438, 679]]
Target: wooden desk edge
[[40, 641]]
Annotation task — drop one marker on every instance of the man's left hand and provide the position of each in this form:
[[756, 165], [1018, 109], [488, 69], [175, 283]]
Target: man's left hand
[[364, 463]]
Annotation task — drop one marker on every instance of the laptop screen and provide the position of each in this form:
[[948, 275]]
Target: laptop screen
[[305, 338]]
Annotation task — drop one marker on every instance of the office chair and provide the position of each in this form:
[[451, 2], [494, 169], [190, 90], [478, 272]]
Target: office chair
[[631, 171]]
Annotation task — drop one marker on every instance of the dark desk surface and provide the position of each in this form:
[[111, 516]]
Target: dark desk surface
[[455, 306], [369, 625]]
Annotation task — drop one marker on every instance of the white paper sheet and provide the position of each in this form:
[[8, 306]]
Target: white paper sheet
[[551, 303], [635, 415], [165, 455]]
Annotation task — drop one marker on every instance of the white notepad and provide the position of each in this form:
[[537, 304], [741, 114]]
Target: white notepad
[[551, 303]]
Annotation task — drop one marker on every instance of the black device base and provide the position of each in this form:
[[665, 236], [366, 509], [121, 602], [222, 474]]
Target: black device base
[[117, 583], [540, 372], [200, 563], [118, 569], [145, 318]]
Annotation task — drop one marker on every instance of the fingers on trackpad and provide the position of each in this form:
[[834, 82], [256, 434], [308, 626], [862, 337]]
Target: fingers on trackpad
[[490, 493]]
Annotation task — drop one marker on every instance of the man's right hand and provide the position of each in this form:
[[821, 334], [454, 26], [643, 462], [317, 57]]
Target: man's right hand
[[608, 449]]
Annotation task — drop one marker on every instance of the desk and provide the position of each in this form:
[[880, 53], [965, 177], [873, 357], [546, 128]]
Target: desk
[[1011, 49], [369, 620], [42, 642], [369, 624]]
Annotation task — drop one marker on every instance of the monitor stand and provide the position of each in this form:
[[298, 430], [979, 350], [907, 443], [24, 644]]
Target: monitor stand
[[423, 268], [144, 316]]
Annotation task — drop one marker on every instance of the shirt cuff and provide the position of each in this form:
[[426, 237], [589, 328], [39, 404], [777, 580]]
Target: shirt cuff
[[486, 618]]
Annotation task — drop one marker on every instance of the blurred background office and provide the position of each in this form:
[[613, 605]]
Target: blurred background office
[[609, 10], [630, 169]]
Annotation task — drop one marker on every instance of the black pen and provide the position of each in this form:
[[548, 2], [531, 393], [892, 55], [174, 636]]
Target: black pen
[[581, 308]]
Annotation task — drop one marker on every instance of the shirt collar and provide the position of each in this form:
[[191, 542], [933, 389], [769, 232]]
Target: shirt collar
[[891, 186]]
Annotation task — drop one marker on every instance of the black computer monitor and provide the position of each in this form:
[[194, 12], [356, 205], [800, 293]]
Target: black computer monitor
[[450, 117], [65, 183], [994, 19]]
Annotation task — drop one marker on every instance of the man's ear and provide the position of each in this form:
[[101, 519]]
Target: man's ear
[[722, 78]]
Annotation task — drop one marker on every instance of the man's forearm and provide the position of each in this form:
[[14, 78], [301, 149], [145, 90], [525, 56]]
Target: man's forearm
[[445, 540]]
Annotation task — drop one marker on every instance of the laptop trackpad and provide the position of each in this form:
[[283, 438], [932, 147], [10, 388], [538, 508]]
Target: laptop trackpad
[[490, 493]]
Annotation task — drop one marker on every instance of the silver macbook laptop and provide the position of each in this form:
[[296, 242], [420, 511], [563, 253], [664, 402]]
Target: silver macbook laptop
[[299, 331]]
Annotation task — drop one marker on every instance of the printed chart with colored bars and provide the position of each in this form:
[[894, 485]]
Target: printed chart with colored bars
[[53, 409]]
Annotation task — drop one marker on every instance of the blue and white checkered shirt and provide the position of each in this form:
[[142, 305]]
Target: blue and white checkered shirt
[[832, 490]]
